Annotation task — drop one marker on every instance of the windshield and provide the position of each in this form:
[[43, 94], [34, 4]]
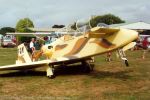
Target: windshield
[[83, 25]]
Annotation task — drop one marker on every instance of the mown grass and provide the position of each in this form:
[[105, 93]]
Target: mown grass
[[109, 80]]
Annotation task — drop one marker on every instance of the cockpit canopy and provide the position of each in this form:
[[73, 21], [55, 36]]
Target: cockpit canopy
[[84, 25]]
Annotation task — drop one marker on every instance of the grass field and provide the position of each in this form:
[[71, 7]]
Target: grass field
[[108, 81]]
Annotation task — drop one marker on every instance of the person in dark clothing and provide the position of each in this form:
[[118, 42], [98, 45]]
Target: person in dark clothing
[[37, 45]]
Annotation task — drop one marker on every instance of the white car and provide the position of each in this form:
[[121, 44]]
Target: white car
[[8, 41]]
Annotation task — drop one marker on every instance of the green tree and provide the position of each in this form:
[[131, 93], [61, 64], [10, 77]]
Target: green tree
[[5, 30], [23, 25], [107, 19]]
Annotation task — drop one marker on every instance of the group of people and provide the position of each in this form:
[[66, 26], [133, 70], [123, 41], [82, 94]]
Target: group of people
[[34, 46]]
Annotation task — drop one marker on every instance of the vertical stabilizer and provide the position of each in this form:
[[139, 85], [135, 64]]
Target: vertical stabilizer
[[23, 55]]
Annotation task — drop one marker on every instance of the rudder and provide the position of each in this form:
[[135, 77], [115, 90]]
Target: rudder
[[23, 55]]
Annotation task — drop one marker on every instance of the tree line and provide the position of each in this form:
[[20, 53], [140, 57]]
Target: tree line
[[24, 24]]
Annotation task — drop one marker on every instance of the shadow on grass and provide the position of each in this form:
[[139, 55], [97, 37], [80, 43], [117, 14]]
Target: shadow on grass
[[23, 73], [71, 70], [59, 70], [122, 75]]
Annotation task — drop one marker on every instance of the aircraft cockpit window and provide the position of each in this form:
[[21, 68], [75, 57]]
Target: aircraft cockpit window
[[103, 25], [83, 25]]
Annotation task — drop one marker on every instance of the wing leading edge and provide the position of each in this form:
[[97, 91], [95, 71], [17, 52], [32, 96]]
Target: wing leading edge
[[36, 64], [25, 66]]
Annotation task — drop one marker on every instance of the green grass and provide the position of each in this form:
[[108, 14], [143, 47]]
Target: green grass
[[7, 56], [108, 81]]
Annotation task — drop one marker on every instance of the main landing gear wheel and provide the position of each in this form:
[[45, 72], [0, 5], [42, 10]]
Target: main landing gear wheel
[[126, 63], [87, 67], [51, 76]]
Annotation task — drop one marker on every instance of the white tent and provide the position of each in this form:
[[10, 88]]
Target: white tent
[[134, 26]]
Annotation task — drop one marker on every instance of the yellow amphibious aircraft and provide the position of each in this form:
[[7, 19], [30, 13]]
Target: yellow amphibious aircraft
[[69, 49]]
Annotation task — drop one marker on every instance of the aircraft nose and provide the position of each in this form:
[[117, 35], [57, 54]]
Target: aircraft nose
[[134, 34], [130, 35]]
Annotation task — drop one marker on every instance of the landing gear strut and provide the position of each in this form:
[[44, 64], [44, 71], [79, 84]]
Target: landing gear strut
[[123, 57], [51, 72]]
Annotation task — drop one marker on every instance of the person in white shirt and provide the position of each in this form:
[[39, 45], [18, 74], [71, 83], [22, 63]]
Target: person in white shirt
[[32, 48]]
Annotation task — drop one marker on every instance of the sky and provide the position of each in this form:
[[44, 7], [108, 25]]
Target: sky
[[46, 13]]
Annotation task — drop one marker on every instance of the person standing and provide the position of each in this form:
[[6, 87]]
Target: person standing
[[145, 45], [108, 56], [37, 45], [32, 47]]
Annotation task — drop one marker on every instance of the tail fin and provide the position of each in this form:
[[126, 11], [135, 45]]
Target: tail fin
[[23, 55]]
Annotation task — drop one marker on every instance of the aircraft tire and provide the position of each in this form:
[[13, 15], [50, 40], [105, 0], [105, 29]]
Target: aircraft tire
[[92, 66], [51, 76], [126, 63], [87, 67]]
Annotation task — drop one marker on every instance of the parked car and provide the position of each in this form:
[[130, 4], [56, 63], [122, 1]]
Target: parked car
[[141, 38], [8, 41]]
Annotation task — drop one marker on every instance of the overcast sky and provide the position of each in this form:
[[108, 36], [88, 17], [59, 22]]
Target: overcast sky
[[45, 13]]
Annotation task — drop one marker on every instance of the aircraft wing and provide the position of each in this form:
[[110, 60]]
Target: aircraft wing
[[24, 61], [29, 34], [25, 66], [37, 64]]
